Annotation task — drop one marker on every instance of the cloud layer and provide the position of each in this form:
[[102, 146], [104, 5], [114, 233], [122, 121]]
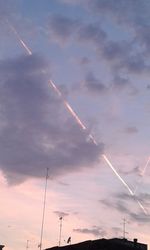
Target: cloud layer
[[36, 131]]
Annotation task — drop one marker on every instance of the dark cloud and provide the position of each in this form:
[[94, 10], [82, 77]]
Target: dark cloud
[[93, 84], [122, 207], [126, 197], [92, 33], [135, 63], [143, 36], [131, 130], [123, 83], [114, 51], [144, 198], [125, 55], [63, 183], [84, 61], [120, 82], [61, 214], [73, 2], [140, 218], [136, 170], [36, 131], [135, 12], [129, 54], [62, 27], [148, 87], [96, 231], [25, 66]]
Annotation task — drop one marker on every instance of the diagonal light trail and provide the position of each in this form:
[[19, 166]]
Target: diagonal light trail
[[69, 108], [78, 120], [125, 184], [145, 167], [142, 174], [95, 142], [19, 38], [116, 173]]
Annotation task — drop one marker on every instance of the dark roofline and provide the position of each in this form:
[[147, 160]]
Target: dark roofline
[[116, 241]]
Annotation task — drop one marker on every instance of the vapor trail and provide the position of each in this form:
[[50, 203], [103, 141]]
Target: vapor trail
[[124, 183], [76, 117], [144, 170], [19, 38], [142, 174], [80, 123], [71, 111], [141, 206], [67, 105], [119, 177]]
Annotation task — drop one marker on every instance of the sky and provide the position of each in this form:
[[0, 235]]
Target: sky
[[93, 56]]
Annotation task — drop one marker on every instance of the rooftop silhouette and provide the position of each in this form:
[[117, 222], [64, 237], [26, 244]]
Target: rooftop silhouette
[[104, 244]]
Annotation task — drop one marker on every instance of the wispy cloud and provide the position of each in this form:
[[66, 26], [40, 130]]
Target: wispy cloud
[[94, 85], [62, 28], [96, 231], [61, 214], [131, 130]]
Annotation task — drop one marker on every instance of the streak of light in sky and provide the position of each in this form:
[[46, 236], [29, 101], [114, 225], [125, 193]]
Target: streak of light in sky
[[69, 108], [142, 174], [19, 38], [124, 183], [94, 141], [80, 123]]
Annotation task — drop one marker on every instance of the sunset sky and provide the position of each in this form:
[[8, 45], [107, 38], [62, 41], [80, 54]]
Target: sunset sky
[[96, 52]]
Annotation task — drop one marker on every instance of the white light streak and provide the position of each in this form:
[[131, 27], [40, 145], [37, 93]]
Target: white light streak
[[94, 141], [124, 183], [142, 174], [76, 117], [119, 177], [67, 105], [19, 38], [145, 167]]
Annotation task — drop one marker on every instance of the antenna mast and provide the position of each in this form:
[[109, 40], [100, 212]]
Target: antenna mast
[[124, 228], [60, 230], [44, 204], [27, 245]]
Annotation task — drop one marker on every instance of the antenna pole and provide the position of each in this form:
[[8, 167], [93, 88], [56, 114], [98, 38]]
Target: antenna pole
[[60, 230], [124, 228], [43, 215], [27, 245]]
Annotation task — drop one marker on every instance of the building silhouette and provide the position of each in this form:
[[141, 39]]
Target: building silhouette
[[1, 247], [104, 244]]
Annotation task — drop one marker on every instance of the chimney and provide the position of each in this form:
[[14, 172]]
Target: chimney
[[135, 242]]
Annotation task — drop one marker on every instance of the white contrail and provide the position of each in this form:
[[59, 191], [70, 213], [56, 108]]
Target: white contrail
[[145, 167], [141, 206], [72, 112], [19, 38], [95, 142], [119, 177], [124, 183], [142, 174], [80, 123], [67, 105]]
